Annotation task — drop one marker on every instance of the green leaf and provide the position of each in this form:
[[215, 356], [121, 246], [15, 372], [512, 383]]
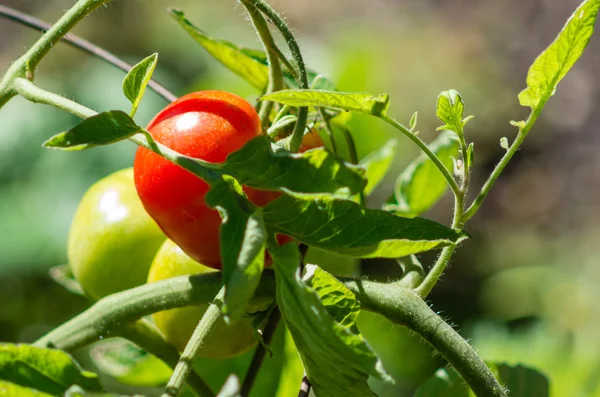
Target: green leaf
[[347, 228], [521, 381], [555, 62], [8, 389], [314, 171], [102, 129], [250, 64], [337, 361], [231, 388], [450, 108], [63, 276], [355, 102], [48, 370], [377, 164], [243, 243], [339, 301], [134, 84], [129, 364], [422, 184], [241, 61], [413, 121]]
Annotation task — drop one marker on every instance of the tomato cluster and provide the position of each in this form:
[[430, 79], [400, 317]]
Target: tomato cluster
[[117, 239]]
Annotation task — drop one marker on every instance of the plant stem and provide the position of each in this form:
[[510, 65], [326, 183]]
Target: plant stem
[[305, 386], [26, 64], [83, 45], [275, 73], [300, 68], [327, 125], [259, 354], [423, 146], [114, 310], [183, 368], [353, 156], [404, 307], [145, 335], [401, 305], [521, 135], [36, 94]]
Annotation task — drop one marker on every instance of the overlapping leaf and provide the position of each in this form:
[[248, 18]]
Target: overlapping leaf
[[243, 242], [378, 163], [314, 171], [249, 64], [555, 62], [102, 129], [47, 370], [422, 184], [347, 228], [337, 361]]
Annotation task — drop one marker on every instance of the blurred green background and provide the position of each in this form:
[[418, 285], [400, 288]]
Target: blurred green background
[[523, 289]]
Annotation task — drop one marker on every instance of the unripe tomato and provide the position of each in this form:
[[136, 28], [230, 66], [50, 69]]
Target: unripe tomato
[[177, 325], [206, 125], [112, 239]]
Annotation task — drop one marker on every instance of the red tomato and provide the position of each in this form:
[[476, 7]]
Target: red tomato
[[206, 125]]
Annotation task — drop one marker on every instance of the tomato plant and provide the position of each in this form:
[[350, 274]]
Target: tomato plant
[[223, 179]]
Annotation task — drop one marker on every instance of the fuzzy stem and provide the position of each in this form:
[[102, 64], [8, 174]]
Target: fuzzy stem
[[208, 323], [24, 67]]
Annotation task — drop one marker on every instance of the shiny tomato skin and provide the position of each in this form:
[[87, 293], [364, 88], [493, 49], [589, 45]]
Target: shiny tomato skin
[[206, 125]]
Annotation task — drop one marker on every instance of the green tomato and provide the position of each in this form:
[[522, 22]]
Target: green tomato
[[112, 240], [177, 325]]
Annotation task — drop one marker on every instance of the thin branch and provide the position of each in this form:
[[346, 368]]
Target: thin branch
[[83, 45], [184, 367], [145, 335], [305, 386], [260, 353]]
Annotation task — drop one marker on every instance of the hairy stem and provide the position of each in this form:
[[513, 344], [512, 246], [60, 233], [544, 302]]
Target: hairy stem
[[401, 305], [275, 73], [84, 46], [423, 146], [522, 134], [183, 368], [145, 335], [405, 307], [25, 65], [299, 67]]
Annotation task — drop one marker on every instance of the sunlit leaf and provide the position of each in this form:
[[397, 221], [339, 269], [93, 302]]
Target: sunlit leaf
[[377, 164], [422, 184], [292, 369], [314, 171], [102, 129], [137, 79], [338, 300], [8, 389], [356, 102], [346, 228], [48, 370], [337, 361], [129, 364], [555, 62], [241, 61], [450, 108], [231, 387]]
